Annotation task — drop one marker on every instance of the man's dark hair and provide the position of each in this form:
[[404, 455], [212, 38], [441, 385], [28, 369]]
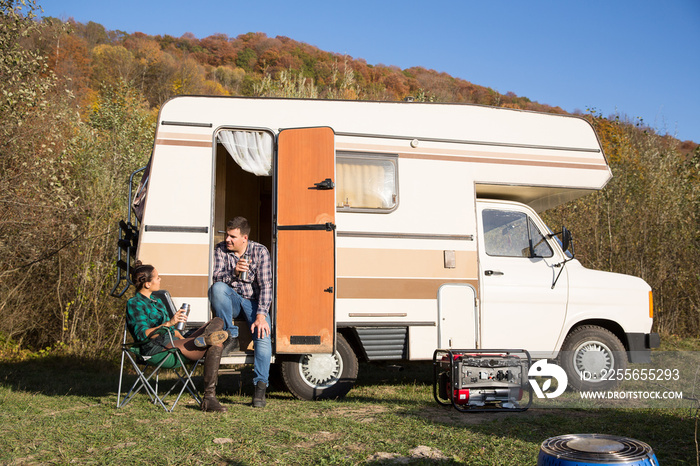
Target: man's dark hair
[[239, 223]]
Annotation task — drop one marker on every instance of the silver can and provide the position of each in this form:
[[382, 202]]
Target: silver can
[[244, 275], [181, 325]]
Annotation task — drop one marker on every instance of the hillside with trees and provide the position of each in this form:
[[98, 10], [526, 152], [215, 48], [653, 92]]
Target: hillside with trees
[[78, 105]]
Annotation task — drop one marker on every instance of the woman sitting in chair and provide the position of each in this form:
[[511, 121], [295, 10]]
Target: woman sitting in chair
[[146, 315]]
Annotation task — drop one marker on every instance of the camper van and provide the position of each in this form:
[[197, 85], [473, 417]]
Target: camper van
[[395, 229]]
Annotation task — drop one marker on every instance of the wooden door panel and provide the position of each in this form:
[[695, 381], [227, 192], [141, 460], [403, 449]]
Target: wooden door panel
[[303, 161], [305, 294], [305, 266]]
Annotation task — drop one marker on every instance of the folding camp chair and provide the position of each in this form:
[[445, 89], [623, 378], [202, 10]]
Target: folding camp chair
[[148, 368]]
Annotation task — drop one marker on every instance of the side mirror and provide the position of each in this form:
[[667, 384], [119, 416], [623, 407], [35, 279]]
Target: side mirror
[[565, 239]]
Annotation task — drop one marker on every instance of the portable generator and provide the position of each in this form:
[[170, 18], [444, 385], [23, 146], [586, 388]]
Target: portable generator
[[474, 380]]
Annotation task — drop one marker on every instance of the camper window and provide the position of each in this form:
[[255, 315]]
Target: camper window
[[366, 183], [513, 234]]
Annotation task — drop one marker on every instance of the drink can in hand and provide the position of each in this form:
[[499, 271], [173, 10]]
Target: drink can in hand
[[181, 325], [244, 275]]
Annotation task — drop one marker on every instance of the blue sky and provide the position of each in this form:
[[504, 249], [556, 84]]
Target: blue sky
[[639, 58]]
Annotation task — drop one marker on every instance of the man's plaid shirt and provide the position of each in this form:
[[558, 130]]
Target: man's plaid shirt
[[258, 283]]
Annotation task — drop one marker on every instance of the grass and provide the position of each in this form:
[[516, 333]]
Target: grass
[[57, 411]]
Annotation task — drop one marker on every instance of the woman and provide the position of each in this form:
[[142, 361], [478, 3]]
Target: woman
[[146, 315]]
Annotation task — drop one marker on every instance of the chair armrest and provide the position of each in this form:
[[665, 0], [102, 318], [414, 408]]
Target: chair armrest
[[139, 343]]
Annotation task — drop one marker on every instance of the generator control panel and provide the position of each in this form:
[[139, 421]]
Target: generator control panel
[[482, 380]]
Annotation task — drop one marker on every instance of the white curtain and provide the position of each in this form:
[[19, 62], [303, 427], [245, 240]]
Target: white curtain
[[365, 184], [251, 150]]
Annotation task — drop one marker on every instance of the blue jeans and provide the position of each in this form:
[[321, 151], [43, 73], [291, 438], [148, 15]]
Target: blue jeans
[[228, 305]]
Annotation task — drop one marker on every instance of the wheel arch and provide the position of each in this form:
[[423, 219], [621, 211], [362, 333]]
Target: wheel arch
[[353, 339], [321, 376], [610, 325]]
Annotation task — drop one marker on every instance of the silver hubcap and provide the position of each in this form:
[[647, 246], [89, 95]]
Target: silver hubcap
[[594, 359], [320, 370]]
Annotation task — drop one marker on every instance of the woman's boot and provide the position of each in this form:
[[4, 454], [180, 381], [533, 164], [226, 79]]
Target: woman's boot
[[211, 376], [213, 334], [213, 338]]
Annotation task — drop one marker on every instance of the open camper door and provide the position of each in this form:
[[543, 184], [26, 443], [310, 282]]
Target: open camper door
[[305, 278]]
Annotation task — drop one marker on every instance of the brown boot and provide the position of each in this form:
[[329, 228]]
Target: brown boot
[[213, 334], [211, 376], [213, 338], [214, 325]]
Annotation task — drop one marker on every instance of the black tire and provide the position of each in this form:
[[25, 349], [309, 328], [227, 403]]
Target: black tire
[[276, 381], [321, 376], [592, 358]]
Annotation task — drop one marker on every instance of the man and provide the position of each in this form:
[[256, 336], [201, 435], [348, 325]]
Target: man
[[244, 285]]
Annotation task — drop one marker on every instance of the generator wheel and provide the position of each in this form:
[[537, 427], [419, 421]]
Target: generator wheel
[[593, 358], [321, 376]]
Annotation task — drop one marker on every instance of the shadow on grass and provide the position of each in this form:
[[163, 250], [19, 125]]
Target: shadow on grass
[[389, 379], [61, 375], [72, 376], [69, 375]]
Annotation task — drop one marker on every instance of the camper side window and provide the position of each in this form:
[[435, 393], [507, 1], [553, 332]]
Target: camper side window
[[513, 234], [366, 183]]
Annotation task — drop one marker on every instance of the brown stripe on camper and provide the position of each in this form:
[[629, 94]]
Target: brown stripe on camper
[[594, 162], [394, 288], [183, 268], [193, 286], [184, 139], [507, 161]]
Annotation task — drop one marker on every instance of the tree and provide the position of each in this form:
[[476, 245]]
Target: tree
[[32, 174], [247, 58], [112, 64], [287, 84], [61, 192], [23, 73], [230, 78], [70, 61]]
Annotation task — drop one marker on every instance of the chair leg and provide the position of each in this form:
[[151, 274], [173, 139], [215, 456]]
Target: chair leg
[[121, 377], [148, 379], [187, 384], [140, 382], [143, 380]]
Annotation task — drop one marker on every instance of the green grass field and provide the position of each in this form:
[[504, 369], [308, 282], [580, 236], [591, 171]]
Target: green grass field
[[56, 411]]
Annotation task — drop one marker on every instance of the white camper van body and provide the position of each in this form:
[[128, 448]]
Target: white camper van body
[[414, 270]]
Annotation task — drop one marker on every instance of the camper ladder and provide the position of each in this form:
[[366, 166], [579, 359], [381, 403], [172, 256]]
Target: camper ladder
[[127, 243]]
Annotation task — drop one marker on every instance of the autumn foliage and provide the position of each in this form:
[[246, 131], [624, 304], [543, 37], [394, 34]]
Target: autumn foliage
[[78, 105]]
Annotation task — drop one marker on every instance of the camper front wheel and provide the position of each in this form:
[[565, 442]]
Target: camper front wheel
[[321, 376], [592, 357]]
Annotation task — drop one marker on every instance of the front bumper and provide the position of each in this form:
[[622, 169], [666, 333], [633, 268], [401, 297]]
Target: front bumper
[[639, 346]]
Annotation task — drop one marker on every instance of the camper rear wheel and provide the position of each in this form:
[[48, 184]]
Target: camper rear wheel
[[591, 356], [321, 376]]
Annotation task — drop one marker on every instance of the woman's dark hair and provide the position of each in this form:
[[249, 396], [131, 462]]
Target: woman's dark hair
[[141, 274]]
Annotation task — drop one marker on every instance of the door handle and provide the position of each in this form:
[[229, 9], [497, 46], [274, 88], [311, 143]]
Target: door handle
[[489, 273], [324, 185]]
